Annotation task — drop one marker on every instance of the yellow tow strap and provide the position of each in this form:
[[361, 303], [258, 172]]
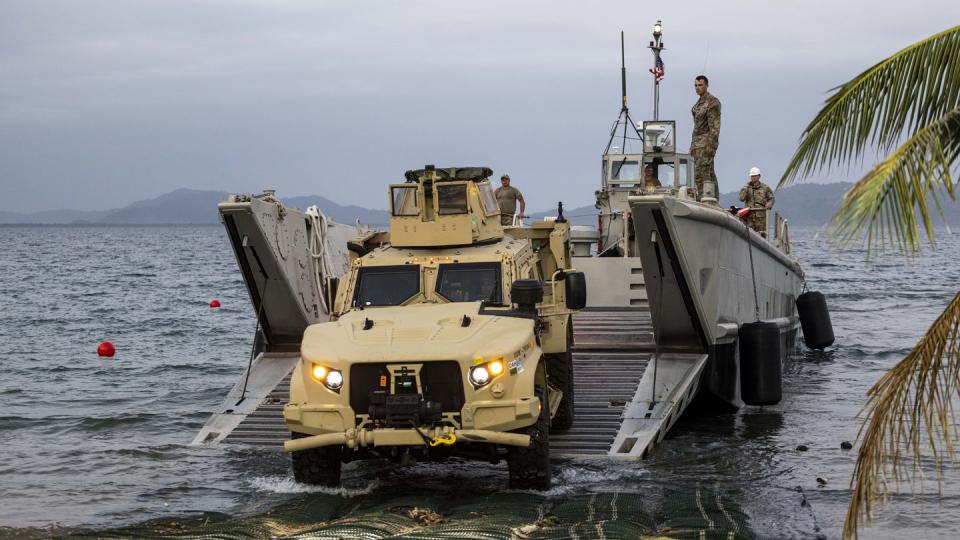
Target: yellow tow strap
[[447, 440]]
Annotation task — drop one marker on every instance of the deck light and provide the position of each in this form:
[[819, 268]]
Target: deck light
[[657, 29]]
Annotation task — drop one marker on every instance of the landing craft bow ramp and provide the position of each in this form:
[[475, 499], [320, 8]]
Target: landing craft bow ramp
[[624, 402]]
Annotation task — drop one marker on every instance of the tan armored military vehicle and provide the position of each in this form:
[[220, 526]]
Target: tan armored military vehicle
[[450, 336]]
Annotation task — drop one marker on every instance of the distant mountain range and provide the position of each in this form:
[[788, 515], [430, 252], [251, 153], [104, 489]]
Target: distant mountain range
[[802, 204], [184, 207]]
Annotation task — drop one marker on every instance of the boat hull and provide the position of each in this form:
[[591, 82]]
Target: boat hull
[[706, 274]]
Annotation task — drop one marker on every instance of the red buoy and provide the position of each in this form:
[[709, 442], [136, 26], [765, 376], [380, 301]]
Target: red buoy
[[214, 303], [106, 349]]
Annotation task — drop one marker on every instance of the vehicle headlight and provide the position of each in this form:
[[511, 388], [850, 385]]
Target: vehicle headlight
[[334, 379], [481, 375], [331, 378]]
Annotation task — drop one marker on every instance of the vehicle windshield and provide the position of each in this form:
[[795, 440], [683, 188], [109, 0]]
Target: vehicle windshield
[[470, 282], [386, 285], [452, 199], [404, 201], [490, 205]]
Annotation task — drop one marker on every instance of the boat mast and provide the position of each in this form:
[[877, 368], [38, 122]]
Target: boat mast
[[624, 115], [657, 70]]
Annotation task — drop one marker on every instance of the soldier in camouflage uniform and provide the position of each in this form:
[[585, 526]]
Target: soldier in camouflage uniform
[[507, 198], [756, 194], [706, 134]]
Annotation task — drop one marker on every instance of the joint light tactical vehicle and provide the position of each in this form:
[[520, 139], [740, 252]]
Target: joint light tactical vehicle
[[449, 335]]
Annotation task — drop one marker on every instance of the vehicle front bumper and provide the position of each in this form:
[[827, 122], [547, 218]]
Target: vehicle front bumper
[[482, 422], [354, 438]]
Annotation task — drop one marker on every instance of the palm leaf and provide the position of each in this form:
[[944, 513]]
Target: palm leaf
[[909, 409], [892, 198], [897, 96], [908, 106]]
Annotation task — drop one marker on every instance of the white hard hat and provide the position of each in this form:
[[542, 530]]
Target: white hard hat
[[754, 171]]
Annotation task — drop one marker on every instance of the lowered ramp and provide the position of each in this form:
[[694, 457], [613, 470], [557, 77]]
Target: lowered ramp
[[613, 356], [605, 383], [627, 397], [259, 396]]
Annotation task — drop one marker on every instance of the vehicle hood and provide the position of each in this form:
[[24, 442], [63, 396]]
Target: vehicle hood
[[415, 333]]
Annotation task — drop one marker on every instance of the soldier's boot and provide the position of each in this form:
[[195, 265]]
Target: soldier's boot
[[703, 170]]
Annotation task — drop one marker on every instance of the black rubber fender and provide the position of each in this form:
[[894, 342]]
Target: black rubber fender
[[761, 371], [815, 320]]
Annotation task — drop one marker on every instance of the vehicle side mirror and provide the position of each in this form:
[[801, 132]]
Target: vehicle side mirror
[[526, 294], [576, 289], [330, 292]]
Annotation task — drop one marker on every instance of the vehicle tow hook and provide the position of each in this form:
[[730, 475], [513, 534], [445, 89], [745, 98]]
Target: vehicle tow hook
[[446, 440]]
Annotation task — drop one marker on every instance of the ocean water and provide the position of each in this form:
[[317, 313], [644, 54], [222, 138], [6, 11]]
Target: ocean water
[[98, 446]]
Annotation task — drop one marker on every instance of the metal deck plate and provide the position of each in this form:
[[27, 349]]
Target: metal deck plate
[[265, 425], [605, 382]]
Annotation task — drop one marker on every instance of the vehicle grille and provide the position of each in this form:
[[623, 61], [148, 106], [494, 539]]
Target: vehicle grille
[[441, 381]]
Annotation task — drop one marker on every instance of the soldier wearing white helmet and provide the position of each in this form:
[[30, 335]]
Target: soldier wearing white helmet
[[759, 198]]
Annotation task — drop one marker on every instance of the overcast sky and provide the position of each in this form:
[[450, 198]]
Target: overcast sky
[[104, 103]]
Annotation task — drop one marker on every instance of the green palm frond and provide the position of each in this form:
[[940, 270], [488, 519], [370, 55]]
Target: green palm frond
[[909, 410], [907, 106], [897, 96], [891, 199]]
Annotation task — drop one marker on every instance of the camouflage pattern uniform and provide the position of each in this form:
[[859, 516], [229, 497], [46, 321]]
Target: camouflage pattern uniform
[[507, 200], [757, 196], [706, 138]]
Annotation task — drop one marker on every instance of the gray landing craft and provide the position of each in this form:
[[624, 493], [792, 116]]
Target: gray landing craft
[[684, 301]]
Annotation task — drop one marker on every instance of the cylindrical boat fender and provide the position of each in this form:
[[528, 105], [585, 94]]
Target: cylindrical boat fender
[[761, 370], [815, 320]]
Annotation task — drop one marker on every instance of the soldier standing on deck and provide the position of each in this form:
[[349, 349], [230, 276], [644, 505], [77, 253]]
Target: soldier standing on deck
[[759, 196], [706, 134], [507, 197]]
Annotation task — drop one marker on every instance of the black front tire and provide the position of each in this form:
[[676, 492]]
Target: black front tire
[[530, 466], [317, 466]]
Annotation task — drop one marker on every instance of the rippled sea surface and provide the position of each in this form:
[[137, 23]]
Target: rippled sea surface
[[89, 444]]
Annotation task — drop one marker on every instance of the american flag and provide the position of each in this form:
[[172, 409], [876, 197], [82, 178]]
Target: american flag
[[657, 70]]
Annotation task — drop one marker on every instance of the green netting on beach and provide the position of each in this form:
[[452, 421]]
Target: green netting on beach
[[696, 513]]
